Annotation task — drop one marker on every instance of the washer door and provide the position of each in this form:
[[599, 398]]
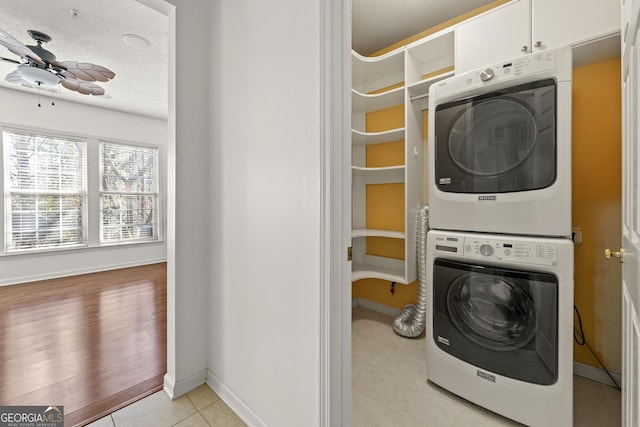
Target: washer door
[[499, 142], [502, 320], [492, 311]]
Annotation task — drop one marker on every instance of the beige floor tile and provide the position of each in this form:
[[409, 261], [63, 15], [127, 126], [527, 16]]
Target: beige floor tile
[[218, 414], [156, 410], [391, 418], [195, 420], [377, 383], [614, 404], [423, 404], [365, 411], [472, 414], [102, 422], [202, 396]]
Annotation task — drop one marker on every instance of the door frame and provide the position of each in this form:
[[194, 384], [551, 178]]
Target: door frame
[[335, 300]]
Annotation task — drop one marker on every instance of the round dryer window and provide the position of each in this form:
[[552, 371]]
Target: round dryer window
[[492, 311], [492, 137]]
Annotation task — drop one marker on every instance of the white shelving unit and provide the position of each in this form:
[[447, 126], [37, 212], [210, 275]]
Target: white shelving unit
[[374, 75], [378, 83]]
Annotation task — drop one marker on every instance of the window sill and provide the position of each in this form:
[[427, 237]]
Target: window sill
[[85, 247]]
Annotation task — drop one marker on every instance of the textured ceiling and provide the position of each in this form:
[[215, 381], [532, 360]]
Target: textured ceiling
[[140, 85], [381, 23]]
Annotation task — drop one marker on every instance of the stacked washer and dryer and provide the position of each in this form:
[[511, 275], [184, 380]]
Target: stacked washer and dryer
[[499, 250]]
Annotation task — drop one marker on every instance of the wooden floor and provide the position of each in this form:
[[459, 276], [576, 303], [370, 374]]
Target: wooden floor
[[92, 343]]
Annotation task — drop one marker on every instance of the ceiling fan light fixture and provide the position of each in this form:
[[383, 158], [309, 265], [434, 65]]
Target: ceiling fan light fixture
[[136, 41], [37, 76]]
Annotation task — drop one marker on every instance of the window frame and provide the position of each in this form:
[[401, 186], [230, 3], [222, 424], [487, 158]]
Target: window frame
[[92, 233], [83, 193], [156, 202]]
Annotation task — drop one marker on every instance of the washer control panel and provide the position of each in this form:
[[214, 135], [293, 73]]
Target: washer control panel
[[530, 251], [511, 250]]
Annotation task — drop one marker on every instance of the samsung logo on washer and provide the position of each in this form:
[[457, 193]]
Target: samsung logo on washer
[[486, 376], [485, 198]]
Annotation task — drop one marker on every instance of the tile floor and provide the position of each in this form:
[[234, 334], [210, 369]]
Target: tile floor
[[390, 389], [198, 408]]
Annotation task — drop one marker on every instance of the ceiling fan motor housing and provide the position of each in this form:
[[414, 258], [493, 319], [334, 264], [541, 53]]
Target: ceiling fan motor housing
[[43, 53]]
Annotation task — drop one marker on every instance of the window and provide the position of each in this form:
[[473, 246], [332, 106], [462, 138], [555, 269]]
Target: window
[[46, 191], [128, 192]]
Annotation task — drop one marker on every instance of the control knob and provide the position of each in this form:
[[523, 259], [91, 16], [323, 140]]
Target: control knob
[[486, 250], [487, 75]]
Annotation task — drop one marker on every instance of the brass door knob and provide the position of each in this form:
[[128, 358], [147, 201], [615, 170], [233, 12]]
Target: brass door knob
[[608, 254]]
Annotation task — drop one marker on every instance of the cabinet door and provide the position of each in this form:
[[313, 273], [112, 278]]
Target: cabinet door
[[498, 35], [567, 22]]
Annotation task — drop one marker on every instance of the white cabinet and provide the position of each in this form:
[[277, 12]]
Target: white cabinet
[[497, 35], [524, 26], [571, 22]]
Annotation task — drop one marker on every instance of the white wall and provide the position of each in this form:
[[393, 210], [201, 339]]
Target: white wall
[[189, 190], [247, 257], [19, 109], [264, 337]]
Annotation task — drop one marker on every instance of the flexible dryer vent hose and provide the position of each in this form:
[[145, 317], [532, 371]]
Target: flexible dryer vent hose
[[411, 322]]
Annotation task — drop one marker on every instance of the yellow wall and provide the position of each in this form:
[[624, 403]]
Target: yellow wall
[[597, 208]]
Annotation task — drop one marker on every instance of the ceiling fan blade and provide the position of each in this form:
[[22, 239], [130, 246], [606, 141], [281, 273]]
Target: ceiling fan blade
[[15, 61], [85, 71], [17, 47], [14, 77], [83, 87]]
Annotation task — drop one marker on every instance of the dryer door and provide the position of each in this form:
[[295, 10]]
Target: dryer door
[[501, 320], [503, 141]]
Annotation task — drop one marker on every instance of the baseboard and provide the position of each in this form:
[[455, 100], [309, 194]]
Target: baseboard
[[176, 389], [596, 374], [79, 271], [375, 306], [234, 402]]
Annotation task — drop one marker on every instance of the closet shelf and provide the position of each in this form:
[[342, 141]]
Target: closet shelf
[[370, 232], [379, 268], [371, 138], [385, 175], [371, 73], [421, 89], [366, 103]]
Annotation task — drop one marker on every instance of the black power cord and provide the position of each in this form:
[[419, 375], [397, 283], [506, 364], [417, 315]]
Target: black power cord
[[578, 336]]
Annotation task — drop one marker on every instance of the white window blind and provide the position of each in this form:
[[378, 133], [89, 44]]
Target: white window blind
[[45, 187], [128, 193]]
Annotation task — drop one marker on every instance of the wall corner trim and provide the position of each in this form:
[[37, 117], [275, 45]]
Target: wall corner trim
[[233, 401], [176, 389]]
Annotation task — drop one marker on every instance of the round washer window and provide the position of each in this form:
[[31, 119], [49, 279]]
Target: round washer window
[[492, 137], [492, 311]]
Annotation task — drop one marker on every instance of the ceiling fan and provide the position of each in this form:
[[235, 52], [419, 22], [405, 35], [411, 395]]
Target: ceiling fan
[[39, 67]]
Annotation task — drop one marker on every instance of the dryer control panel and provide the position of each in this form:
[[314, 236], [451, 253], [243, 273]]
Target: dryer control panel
[[552, 63], [529, 64]]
